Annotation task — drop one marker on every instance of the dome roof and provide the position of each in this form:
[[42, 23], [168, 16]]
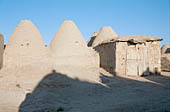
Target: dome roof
[[68, 40], [106, 33], [68, 47], [25, 42]]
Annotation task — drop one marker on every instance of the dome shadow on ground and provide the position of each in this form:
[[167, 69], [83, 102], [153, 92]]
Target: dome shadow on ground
[[57, 92]]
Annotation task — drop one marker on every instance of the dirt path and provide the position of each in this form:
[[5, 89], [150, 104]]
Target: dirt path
[[82, 90]]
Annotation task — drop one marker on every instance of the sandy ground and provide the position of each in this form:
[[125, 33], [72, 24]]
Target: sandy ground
[[75, 89]]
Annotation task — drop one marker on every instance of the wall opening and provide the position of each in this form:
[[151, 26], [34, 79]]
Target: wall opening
[[27, 44]]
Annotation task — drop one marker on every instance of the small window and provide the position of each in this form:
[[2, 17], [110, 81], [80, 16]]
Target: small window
[[27, 44]]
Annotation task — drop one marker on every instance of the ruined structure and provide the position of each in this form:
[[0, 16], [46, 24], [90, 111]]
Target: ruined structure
[[25, 46], [165, 57], [165, 51], [104, 34], [68, 47], [1, 50], [92, 38], [131, 55]]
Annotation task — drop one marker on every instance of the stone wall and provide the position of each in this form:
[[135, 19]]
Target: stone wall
[[121, 57], [146, 57], [165, 53], [107, 56], [165, 49], [125, 58], [154, 56]]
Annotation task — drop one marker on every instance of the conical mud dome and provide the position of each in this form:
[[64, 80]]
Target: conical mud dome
[[69, 47], [105, 33], [25, 45], [94, 34], [68, 41]]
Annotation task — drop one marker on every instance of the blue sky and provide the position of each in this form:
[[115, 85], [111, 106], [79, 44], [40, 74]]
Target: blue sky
[[127, 17]]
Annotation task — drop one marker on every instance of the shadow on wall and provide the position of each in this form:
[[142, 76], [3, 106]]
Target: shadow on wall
[[57, 92], [91, 41], [107, 58], [4, 47], [167, 50]]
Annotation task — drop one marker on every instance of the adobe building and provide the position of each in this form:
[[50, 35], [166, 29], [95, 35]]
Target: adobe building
[[1, 50], [25, 45], [68, 47], [105, 33], [131, 55]]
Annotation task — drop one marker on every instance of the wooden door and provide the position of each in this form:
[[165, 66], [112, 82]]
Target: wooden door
[[137, 60], [143, 62], [132, 61]]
